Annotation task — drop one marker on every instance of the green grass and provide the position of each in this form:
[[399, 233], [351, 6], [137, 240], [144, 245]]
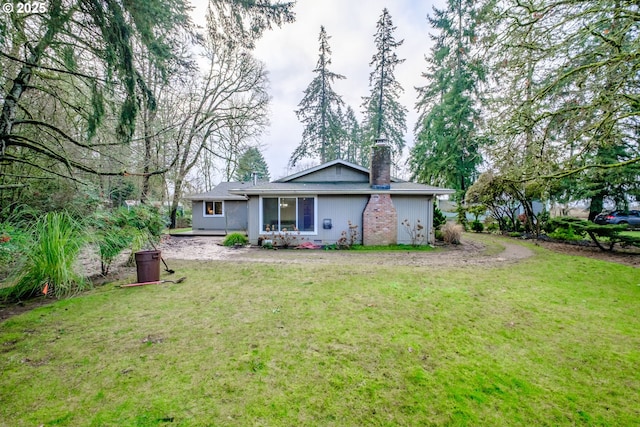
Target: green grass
[[176, 230], [552, 340], [632, 233]]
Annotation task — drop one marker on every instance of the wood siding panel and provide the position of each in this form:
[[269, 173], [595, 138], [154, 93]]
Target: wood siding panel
[[413, 208], [197, 217], [254, 220], [341, 210], [235, 217], [337, 173]]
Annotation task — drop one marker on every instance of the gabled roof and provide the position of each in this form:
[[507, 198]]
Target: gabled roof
[[221, 192], [339, 188], [324, 166], [306, 183], [313, 181], [299, 176]]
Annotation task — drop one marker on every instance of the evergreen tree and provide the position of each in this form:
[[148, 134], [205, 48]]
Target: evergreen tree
[[252, 162], [87, 49], [353, 135], [567, 79], [447, 142], [384, 116], [320, 111]]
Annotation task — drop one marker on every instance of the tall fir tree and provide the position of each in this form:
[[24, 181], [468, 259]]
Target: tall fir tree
[[320, 112], [447, 145], [353, 136], [384, 116], [252, 161]]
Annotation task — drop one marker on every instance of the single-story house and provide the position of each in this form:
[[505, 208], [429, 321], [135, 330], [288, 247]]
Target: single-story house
[[220, 210], [320, 202]]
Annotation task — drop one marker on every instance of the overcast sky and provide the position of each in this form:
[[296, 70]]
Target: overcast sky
[[291, 53]]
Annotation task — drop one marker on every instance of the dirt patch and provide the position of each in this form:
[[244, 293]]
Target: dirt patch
[[470, 252], [629, 257]]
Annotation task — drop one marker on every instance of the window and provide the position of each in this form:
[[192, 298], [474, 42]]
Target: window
[[214, 208], [291, 213]]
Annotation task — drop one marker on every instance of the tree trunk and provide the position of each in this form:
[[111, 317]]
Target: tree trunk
[[175, 201], [597, 205]]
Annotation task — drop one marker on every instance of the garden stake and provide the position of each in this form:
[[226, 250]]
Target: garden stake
[[157, 282]]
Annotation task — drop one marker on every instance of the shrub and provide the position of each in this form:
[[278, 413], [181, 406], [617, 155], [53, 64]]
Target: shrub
[[477, 226], [49, 263], [234, 239], [438, 218], [111, 243], [604, 236], [348, 239], [462, 216], [543, 219], [566, 234], [14, 242], [451, 233], [287, 238], [125, 228], [284, 238], [439, 235], [491, 225], [144, 218], [416, 232]]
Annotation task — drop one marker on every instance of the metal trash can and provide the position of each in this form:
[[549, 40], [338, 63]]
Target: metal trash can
[[148, 266]]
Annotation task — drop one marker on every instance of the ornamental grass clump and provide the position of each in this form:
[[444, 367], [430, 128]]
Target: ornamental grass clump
[[235, 239], [452, 233], [49, 262]]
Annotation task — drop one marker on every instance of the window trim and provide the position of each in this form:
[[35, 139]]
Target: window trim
[[204, 209], [302, 233]]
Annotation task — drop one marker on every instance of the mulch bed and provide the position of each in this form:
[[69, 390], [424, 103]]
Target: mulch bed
[[629, 257]]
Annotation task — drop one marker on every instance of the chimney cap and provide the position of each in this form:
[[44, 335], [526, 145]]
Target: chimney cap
[[381, 141]]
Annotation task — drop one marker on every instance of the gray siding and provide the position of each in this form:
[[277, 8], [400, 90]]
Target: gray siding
[[336, 173], [253, 232], [342, 209], [413, 208], [197, 215], [234, 219]]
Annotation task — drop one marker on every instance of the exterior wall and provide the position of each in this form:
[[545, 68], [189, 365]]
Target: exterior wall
[[380, 221], [197, 215], [253, 230], [342, 209], [339, 209], [336, 173], [234, 219], [236, 214], [414, 208]]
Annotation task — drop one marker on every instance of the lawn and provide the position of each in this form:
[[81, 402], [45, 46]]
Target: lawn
[[552, 340]]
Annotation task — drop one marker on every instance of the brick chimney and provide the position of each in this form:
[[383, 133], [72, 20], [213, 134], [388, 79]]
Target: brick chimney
[[379, 219]]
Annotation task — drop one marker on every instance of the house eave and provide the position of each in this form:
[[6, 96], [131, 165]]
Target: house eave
[[235, 197], [309, 191]]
